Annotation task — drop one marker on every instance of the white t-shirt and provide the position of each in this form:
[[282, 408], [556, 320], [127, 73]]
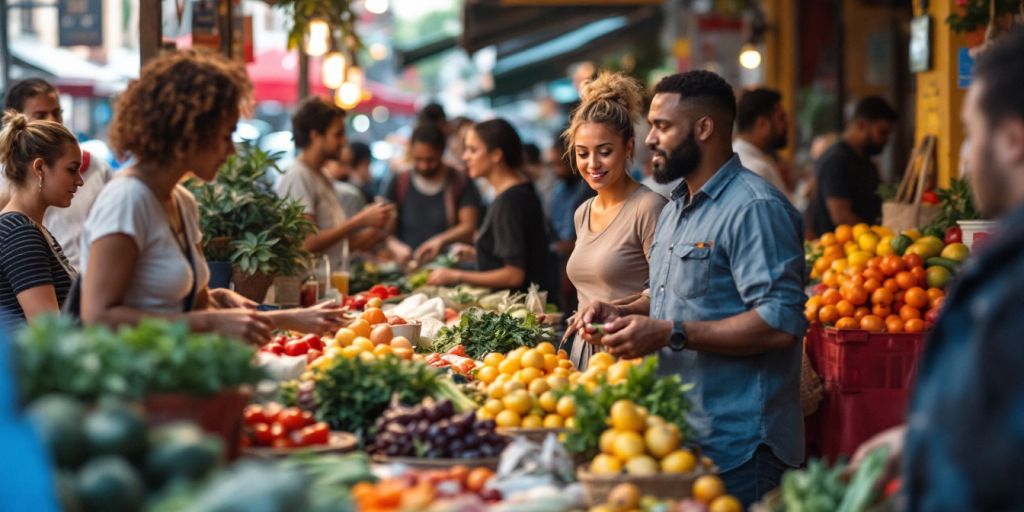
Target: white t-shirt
[[316, 194], [163, 276], [763, 165]]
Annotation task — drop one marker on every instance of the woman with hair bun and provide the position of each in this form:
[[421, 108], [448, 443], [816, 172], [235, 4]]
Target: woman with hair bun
[[512, 246], [41, 161], [615, 229]]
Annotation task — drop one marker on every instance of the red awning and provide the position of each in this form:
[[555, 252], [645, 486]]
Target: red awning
[[275, 77]]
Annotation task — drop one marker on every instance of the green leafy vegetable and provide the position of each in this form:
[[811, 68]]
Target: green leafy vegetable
[[485, 332], [55, 356], [955, 203], [662, 396]]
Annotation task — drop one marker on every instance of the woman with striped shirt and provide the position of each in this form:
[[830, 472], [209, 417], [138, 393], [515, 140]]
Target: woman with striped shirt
[[41, 161]]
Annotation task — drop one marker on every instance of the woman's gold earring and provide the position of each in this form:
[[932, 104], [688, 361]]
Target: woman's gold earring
[[40, 182]]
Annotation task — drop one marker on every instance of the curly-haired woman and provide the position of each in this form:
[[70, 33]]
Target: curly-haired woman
[[614, 230], [141, 243]]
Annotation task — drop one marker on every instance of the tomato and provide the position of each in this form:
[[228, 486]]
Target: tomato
[[254, 415], [313, 355], [318, 433], [397, 320], [296, 348], [271, 411], [314, 341], [278, 431], [261, 435], [359, 302], [273, 348], [393, 291], [282, 443], [291, 419], [308, 419], [954, 235]]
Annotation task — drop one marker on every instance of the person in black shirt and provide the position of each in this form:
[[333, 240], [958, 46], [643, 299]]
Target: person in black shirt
[[512, 247], [42, 162], [847, 179], [437, 205]]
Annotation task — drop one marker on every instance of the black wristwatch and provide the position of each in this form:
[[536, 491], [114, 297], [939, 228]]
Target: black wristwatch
[[677, 341]]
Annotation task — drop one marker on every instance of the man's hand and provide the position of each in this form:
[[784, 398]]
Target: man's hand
[[463, 252], [595, 312], [429, 250], [401, 251], [223, 298], [443, 277], [635, 336], [375, 215]]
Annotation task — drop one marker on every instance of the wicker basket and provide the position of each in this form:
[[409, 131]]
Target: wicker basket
[[536, 435], [422, 463], [674, 486]]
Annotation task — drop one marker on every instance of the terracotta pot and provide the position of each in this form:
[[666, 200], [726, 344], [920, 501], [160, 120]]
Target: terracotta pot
[[253, 287], [219, 414]]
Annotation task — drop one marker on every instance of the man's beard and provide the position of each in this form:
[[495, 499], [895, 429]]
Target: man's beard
[[874, 149], [680, 163], [779, 141]]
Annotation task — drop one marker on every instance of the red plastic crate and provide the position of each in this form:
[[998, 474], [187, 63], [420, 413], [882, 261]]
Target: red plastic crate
[[854, 360], [847, 420]]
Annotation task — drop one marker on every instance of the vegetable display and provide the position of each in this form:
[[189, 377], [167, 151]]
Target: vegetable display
[[485, 332], [273, 425], [432, 430], [55, 356], [820, 488]]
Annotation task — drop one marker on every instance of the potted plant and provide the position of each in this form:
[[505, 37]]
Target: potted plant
[[246, 224]]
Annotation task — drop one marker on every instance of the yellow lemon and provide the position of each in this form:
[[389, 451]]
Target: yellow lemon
[[345, 336], [661, 440], [548, 402], [550, 362], [518, 401], [868, 242], [626, 416], [913, 234], [484, 414], [528, 375], [546, 348], [956, 252], [538, 387], [487, 374], [493, 359], [507, 419], [884, 246], [604, 464], [532, 421], [532, 358], [679, 461], [493, 406], [496, 390], [363, 343], [566, 407], [642, 465], [553, 421], [607, 441], [601, 360], [509, 366], [850, 248], [617, 372], [860, 229], [628, 444], [570, 423], [859, 258]]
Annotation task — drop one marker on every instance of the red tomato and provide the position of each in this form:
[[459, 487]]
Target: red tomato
[[261, 435], [291, 419], [254, 415], [273, 348], [271, 411], [283, 443], [359, 302], [313, 355], [277, 430], [397, 320], [314, 434], [314, 341], [378, 290], [280, 338], [393, 291], [296, 348], [308, 419]]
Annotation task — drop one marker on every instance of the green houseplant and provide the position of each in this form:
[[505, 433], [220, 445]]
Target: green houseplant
[[245, 223]]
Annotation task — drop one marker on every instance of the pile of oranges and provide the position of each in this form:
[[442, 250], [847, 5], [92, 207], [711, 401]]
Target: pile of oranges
[[883, 294]]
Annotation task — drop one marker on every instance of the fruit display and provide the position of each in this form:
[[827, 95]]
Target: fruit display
[[420, 490], [522, 386], [309, 345], [640, 444], [708, 495], [279, 427], [373, 297], [108, 459], [369, 335], [482, 333], [433, 430]]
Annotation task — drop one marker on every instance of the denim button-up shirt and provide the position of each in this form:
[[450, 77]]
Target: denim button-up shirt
[[965, 439], [735, 247]]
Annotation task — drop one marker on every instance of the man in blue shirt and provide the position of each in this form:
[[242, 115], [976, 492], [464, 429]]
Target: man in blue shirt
[[724, 308], [963, 445]]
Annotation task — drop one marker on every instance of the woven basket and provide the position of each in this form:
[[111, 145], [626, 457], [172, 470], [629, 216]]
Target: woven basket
[[665, 486], [811, 391], [536, 435]]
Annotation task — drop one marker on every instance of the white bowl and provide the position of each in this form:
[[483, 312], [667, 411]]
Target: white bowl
[[410, 332]]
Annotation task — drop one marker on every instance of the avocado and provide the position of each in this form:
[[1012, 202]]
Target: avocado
[[57, 420], [181, 451], [114, 429], [110, 484]]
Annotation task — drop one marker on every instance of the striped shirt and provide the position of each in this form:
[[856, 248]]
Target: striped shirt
[[26, 262]]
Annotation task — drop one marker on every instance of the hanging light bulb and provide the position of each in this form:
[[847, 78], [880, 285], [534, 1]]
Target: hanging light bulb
[[333, 71], [318, 38], [377, 6], [750, 57], [348, 96]]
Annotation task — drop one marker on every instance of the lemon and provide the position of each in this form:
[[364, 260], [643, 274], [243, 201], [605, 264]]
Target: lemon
[[493, 406], [570, 423], [883, 231], [679, 461], [859, 258], [514, 385], [626, 416], [913, 234], [624, 497], [868, 241], [493, 359], [507, 418], [628, 444], [548, 402], [850, 248], [519, 401], [956, 252], [351, 352], [607, 441], [550, 362], [923, 249], [642, 465], [604, 464], [553, 421], [484, 414], [363, 343], [601, 360], [661, 440], [532, 421], [557, 382], [617, 372], [345, 336], [487, 374], [884, 247], [496, 390], [538, 387], [545, 348], [509, 366], [566, 407], [933, 242], [860, 229], [532, 358], [841, 264]]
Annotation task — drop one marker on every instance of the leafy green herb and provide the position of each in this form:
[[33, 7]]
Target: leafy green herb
[[485, 332], [662, 396], [955, 203], [55, 356]]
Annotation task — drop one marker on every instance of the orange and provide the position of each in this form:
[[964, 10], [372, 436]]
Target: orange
[[861, 312], [828, 239], [906, 280], [844, 234], [814, 301], [855, 294], [821, 265], [707, 488], [725, 504], [914, 325], [828, 315], [916, 297], [908, 313], [937, 303], [875, 263], [890, 284], [374, 316], [361, 328], [874, 273], [831, 297], [920, 274], [913, 260], [881, 310], [811, 315], [871, 285], [872, 323], [891, 265], [830, 278], [935, 293], [893, 323], [882, 296], [847, 323], [845, 308]]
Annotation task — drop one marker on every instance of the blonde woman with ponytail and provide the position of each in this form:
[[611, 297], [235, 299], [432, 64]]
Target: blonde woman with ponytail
[[614, 230], [41, 163]]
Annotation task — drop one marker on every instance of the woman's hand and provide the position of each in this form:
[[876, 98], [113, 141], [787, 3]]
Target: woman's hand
[[428, 251], [223, 298], [241, 324], [463, 252], [443, 277], [322, 318]]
